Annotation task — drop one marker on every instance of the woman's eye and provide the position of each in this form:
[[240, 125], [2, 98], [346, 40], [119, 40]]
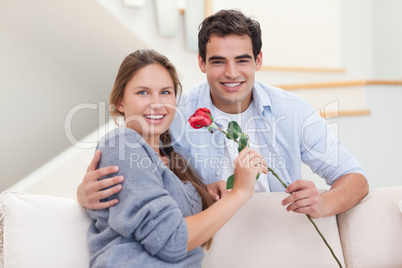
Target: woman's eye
[[166, 92], [142, 92]]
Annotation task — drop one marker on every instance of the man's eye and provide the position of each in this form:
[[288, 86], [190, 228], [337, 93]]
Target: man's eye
[[217, 62]]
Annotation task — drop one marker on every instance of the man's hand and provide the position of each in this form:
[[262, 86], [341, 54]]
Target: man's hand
[[90, 191], [345, 193], [217, 190], [304, 198]]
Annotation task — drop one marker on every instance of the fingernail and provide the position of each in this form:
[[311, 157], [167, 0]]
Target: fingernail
[[119, 187], [120, 179], [116, 169], [283, 203], [216, 197]]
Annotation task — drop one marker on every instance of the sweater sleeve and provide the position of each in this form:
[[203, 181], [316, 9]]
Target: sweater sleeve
[[146, 211]]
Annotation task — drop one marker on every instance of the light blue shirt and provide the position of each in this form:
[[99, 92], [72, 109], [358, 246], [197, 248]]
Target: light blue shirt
[[288, 132]]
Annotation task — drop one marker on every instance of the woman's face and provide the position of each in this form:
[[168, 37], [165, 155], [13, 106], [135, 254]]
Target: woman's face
[[149, 102]]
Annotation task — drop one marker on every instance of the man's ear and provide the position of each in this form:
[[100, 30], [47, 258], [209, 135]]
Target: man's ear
[[258, 61], [201, 63]]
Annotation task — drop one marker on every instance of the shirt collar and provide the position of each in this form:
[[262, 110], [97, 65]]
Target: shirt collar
[[261, 99], [204, 97]]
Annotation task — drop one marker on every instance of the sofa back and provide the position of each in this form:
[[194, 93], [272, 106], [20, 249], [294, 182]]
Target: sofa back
[[50, 231], [371, 232], [264, 234]]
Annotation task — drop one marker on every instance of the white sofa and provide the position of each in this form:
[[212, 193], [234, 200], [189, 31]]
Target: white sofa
[[50, 231]]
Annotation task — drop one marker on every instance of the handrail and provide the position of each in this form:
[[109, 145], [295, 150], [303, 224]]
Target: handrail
[[341, 84], [208, 8], [332, 114], [302, 69]]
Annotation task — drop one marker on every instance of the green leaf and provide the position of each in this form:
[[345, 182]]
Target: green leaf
[[243, 142], [233, 130], [230, 182], [210, 116]]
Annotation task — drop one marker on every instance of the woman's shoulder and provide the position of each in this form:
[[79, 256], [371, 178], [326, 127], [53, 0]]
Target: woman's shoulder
[[118, 133], [123, 138]]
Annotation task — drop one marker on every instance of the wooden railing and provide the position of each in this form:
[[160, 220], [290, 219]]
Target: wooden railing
[[302, 69], [324, 85], [340, 84], [331, 114]]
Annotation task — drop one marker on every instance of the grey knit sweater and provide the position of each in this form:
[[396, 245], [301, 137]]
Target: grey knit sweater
[[147, 227]]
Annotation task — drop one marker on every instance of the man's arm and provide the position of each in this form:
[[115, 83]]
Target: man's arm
[[345, 193], [91, 190]]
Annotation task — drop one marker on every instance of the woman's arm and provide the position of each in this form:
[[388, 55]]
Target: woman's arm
[[146, 211], [205, 224]]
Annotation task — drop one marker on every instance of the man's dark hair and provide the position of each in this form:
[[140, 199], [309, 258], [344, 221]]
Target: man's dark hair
[[228, 22]]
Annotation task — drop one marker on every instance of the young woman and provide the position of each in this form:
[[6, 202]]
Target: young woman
[[165, 212]]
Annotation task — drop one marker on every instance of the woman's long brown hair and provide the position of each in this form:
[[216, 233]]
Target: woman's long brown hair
[[129, 67]]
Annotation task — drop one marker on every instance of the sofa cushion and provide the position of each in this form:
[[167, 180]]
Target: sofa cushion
[[43, 231], [371, 232], [263, 234]]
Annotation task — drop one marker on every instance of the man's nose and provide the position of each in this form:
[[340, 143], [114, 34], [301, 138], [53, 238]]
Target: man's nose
[[231, 70]]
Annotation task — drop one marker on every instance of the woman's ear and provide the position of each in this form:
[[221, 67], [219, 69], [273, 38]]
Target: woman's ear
[[119, 106]]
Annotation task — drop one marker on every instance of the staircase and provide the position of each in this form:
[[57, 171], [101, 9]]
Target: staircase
[[339, 80]]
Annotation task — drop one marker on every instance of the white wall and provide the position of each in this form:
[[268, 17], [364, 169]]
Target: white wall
[[35, 95], [54, 56], [142, 22], [387, 28], [295, 33], [356, 27]]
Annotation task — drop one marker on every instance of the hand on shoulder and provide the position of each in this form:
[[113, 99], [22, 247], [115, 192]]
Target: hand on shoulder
[[92, 190]]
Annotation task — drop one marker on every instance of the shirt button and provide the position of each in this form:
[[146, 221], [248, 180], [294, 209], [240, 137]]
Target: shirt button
[[218, 173]]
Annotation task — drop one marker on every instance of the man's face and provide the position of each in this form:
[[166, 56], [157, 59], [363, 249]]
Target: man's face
[[230, 68]]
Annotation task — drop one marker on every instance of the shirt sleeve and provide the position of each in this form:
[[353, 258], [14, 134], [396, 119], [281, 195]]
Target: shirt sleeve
[[322, 152], [146, 211]]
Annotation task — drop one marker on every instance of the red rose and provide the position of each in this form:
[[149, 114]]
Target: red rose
[[201, 118]]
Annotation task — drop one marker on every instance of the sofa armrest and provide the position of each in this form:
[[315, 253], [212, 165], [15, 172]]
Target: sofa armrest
[[371, 232], [42, 231], [264, 234]]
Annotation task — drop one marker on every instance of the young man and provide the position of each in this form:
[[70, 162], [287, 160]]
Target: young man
[[282, 127]]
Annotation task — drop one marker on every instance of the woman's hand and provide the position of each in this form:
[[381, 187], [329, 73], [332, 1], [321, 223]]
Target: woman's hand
[[248, 164]]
